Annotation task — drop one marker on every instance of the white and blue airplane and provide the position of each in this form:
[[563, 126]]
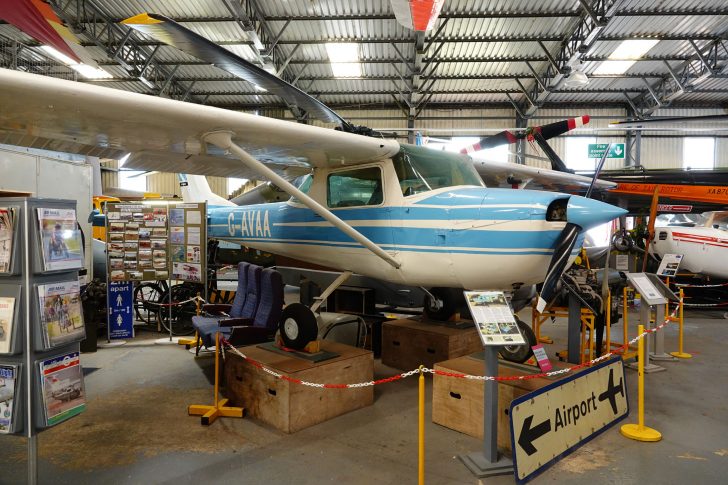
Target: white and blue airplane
[[372, 206]]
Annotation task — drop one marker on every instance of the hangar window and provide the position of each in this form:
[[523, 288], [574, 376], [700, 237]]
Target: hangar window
[[577, 153], [698, 153], [132, 179], [352, 188]]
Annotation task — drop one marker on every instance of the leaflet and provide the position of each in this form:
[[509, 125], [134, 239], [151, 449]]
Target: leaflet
[[60, 239], [61, 313], [9, 378], [7, 227], [7, 322], [64, 395]]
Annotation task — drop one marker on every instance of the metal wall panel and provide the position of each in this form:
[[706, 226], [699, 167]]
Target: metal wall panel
[[167, 183]]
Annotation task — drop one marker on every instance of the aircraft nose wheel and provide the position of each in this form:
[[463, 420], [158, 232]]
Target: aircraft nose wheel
[[520, 353], [298, 326], [443, 305]]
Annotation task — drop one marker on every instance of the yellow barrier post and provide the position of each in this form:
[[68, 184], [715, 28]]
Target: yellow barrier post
[[639, 431], [208, 414], [680, 354], [421, 427], [188, 342]]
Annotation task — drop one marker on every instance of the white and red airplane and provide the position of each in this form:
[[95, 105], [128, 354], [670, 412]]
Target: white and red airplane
[[702, 240]]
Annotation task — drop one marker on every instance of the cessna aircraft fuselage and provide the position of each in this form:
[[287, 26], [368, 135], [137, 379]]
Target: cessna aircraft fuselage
[[704, 245], [427, 209]]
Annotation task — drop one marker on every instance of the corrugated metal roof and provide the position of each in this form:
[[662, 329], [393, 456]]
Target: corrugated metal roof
[[479, 31]]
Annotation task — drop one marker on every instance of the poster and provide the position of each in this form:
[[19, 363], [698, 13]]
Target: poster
[[187, 272], [137, 244], [60, 239], [121, 315], [7, 226], [493, 318], [669, 265], [61, 314], [62, 385], [7, 313], [8, 387], [176, 217]]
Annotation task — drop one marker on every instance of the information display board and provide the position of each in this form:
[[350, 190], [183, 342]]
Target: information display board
[[188, 241], [136, 246], [493, 318], [669, 265]]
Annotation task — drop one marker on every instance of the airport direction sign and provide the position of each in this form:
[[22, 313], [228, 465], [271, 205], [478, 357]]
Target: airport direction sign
[[596, 150], [553, 421], [121, 311]]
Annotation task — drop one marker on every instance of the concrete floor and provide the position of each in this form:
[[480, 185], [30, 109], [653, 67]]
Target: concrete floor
[[136, 429]]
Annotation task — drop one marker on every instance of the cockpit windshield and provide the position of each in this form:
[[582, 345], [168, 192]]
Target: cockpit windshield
[[420, 170]]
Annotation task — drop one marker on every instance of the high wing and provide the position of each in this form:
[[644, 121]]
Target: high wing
[[69, 116], [506, 174]]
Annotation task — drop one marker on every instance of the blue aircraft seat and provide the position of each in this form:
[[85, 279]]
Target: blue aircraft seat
[[215, 312], [259, 317]]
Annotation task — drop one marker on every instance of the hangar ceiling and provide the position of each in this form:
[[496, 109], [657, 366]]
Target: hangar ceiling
[[515, 54]]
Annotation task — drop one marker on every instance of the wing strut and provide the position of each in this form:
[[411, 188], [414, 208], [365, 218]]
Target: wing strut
[[223, 140]]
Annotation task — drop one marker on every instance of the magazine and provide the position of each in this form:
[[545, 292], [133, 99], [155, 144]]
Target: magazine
[[9, 378], [60, 239], [7, 226], [7, 312], [61, 314], [62, 386]]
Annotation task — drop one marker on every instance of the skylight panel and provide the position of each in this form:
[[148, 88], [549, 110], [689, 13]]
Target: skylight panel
[[89, 72], [625, 55], [344, 58]]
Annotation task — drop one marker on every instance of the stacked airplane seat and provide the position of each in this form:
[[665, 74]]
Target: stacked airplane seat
[[254, 315]]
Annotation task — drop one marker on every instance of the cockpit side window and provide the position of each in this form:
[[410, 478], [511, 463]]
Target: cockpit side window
[[422, 169], [304, 187], [353, 188]]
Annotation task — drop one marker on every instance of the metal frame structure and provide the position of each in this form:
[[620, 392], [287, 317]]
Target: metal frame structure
[[471, 58]]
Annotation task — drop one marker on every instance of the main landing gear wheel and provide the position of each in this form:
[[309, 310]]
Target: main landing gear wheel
[[298, 326], [443, 305], [520, 353]]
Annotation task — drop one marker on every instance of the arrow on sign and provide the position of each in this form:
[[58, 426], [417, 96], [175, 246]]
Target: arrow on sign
[[529, 435], [618, 150]]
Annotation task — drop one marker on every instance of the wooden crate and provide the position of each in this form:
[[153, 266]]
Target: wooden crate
[[291, 407], [458, 403], [407, 344]]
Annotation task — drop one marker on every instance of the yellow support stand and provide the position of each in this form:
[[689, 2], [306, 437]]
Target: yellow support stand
[[188, 342], [210, 413], [421, 428], [639, 431], [680, 354]]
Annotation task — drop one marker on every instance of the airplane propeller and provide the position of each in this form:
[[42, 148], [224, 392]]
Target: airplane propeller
[[539, 134], [564, 247]]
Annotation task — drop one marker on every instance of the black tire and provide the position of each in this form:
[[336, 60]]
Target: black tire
[[520, 353], [444, 305], [298, 326], [146, 296]]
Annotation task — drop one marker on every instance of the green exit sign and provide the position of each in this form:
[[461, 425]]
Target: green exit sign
[[596, 150]]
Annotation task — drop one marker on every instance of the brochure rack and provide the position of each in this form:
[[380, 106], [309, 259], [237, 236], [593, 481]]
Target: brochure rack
[[28, 348]]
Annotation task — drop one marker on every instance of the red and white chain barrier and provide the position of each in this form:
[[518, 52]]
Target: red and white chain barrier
[[424, 370]]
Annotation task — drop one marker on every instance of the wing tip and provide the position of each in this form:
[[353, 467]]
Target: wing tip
[[142, 19]]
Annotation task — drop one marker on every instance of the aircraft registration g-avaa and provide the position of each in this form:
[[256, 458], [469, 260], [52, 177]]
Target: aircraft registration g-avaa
[[373, 206]]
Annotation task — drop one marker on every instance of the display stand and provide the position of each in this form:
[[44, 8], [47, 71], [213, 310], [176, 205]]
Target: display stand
[[30, 273], [496, 326], [155, 241], [654, 294], [489, 462]]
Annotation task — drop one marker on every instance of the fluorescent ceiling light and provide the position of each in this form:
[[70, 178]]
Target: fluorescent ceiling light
[[58, 55], [628, 49], [89, 72], [344, 59]]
